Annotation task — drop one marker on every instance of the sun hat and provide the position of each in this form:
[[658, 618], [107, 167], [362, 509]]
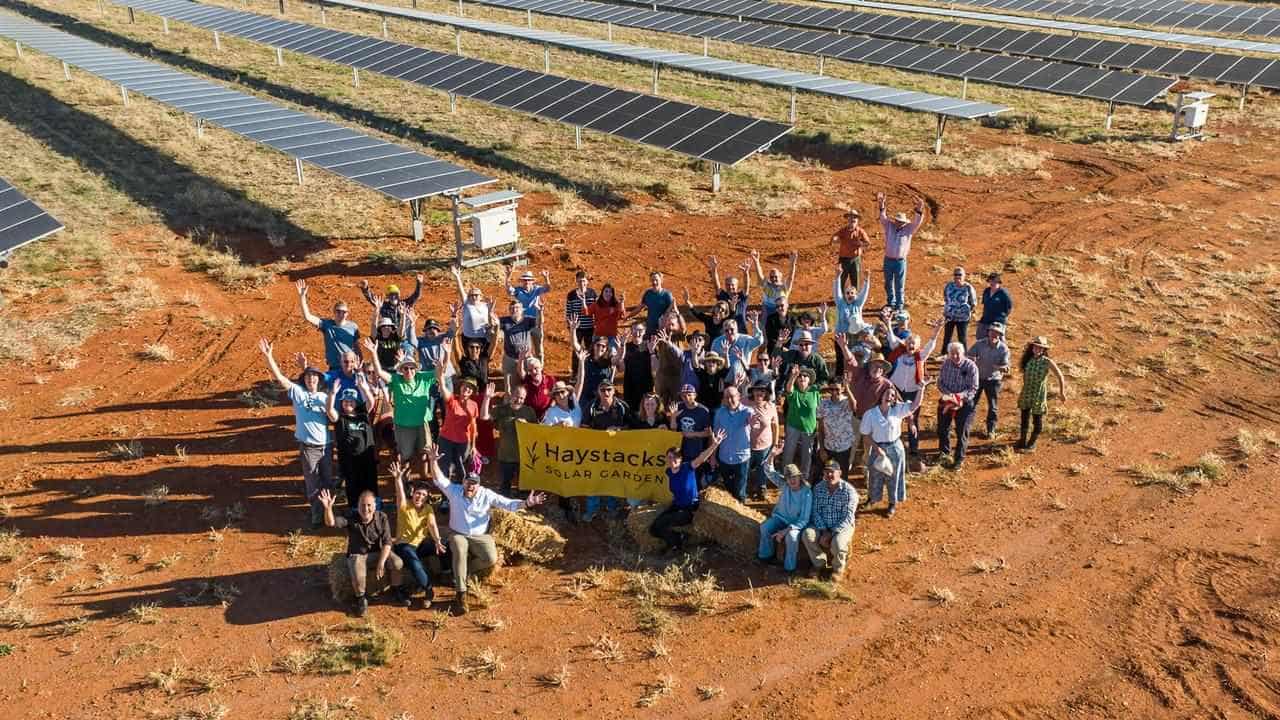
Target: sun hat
[[792, 470], [851, 212], [806, 315], [900, 217], [393, 289], [760, 385], [312, 370], [526, 275], [883, 364], [468, 380], [832, 465], [1041, 341], [713, 357], [386, 322], [994, 276], [471, 479], [698, 334], [866, 330], [431, 325], [901, 316], [407, 360], [809, 373], [998, 327], [559, 387], [862, 352], [804, 336]]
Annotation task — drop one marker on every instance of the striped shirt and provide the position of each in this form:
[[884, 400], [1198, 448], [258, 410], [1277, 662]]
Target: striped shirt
[[959, 378], [574, 306]]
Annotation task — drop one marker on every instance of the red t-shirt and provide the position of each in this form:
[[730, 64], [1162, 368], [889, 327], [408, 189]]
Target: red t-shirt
[[538, 394], [851, 241], [606, 318], [459, 418]]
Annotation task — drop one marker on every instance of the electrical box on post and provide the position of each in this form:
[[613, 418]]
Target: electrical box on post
[[494, 226], [1190, 113]]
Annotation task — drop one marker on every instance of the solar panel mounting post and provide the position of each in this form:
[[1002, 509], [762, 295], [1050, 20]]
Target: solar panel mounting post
[[124, 96], [546, 58], [792, 116], [937, 139], [609, 27], [297, 162], [279, 57], [199, 127], [577, 136], [217, 40], [453, 103], [822, 64], [1111, 111], [715, 177], [132, 18], [415, 214], [385, 34], [528, 17], [1244, 90], [457, 37], [705, 45], [66, 71], [17, 47], [281, 7], [164, 25], [964, 88], [655, 78], [355, 77]]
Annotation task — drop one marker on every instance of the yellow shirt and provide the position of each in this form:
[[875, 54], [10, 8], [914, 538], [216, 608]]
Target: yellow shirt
[[412, 523]]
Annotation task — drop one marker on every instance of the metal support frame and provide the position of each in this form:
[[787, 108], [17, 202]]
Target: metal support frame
[[17, 47], [964, 88], [297, 162], [715, 177], [199, 127], [457, 37], [279, 57], [415, 216], [324, 16], [132, 17], [385, 32], [546, 58], [415, 4], [1111, 111], [706, 42], [528, 18], [655, 78], [822, 64], [577, 136], [453, 103], [217, 40], [1244, 90], [66, 70], [164, 25], [459, 8], [355, 77], [937, 138], [455, 205], [124, 96], [281, 7], [791, 117], [609, 27]]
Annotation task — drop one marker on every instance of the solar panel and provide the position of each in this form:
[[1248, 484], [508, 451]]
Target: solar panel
[[293, 132], [580, 104], [825, 44], [962, 109], [21, 220]]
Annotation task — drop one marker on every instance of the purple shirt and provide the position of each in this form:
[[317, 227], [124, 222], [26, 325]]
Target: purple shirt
[[897, 241]]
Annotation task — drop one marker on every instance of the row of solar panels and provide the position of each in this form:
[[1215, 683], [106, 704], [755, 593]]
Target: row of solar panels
[[1193, 8], [393, 170], [1218, 67], [746, 72], [21, 220], [691, 130], [1258, 20], [1054, 77], [1155, 36]]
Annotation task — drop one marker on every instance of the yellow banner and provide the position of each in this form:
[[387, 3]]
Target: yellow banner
[[573, 461]]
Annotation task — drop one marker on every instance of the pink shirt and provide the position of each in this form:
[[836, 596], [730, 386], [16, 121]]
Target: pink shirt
[[761, 426], [897, 241]]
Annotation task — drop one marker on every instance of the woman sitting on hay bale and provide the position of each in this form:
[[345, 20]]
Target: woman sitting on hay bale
[[790, 516], [684, 493]]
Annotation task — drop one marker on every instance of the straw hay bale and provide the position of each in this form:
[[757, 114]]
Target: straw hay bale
[[527, 535], [340, 580], [638, 522], [728, 523]]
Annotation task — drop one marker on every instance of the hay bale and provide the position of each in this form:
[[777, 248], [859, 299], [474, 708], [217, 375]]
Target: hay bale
[[723, 520], [638, 522], [340, 581], [526, 535]]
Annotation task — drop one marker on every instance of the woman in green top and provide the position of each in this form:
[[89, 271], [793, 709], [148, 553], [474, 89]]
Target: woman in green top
[[802, 419], [1033, 401]]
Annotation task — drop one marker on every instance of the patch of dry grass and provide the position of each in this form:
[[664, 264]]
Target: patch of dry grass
[[12, 546], [940, 595], [986, 566], [156, 352], [144, 614], [654, 691], [556, 680], [15, 616], [485, 662], [131, 450], [822, 589]]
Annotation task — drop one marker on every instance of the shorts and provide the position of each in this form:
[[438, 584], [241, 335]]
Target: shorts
[[411, 441]]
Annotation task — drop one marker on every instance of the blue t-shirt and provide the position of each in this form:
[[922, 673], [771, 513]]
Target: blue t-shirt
[[657, 302], [310, 409], [684, 485], [346, 387], [338, 339], [736, 446], [692, 419], [529, 298]]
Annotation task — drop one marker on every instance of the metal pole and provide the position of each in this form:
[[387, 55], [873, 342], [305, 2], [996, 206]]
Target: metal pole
[[297, 162], [546, 58], [457, 37], [217, 41], [132, 19], [199, 127], [124, 96], [964, 89], [705, 47], [415, 214], [528, 18], [822, 64], [279, 57], [1177, 108], [453, 103], [164, 25], [610, 27], [324, 16], [1111, 109], [655, 78], [17, 46], [355, 77], [792, 116], [577, 137], [457, 226], [415, 4], [66, 71], [715, 177], [1244, 90], [282, 12], [459, 8], [937, 139], [385, 35]]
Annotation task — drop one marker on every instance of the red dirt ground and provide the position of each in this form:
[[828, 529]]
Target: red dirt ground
[[1115, 601]]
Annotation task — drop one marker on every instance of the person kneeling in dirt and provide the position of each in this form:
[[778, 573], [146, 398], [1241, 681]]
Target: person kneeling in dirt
[[368, 545], [470, 545], [684, 493]]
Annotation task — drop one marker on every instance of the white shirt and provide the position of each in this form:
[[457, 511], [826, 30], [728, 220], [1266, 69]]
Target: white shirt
[[904, 370], [475, 319], [569, 418], [470, 516], [885, 429]]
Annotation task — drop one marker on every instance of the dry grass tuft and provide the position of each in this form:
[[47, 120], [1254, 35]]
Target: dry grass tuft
[[658, 649], [75, 397], [555, 680], [1071, 425], [606, 649], [131, 450], [1210, 465], [1249, 443], [709, 692], [986, 566], [825, 590], [490, 623], [322, 709], [1181, 482], [211, 711], [68, 552], [653, 620], [12, 547], [678, 585], [157, 495], [655, 691], [940, 595], [70, 626], [156, 352], [1025, 476], [485, 662], [437, 621], [1004, 457], [15, 616], [144, 614], [352, 647]]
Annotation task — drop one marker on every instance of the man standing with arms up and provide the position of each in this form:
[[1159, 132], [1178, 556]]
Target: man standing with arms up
[[529, 294], [852, 240], [898, 232], [340, 333]]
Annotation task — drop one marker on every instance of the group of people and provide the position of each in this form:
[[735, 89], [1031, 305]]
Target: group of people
[[749, 390]]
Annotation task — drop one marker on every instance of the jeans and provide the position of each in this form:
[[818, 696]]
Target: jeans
[[913, 423], [611, 505], [470, 553], [317, 475], [991, 388], [839, 554], [510, 474], [791, 540], [963, 419], [895, 282], [414, 558], [359, 565], [798, 448], [734, 477], [960, 328], [664, 526], [755, 470], [851, 272], [453, 455]]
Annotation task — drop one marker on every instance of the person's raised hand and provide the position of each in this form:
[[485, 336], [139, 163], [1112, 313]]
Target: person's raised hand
[[546, 277], [336, 385], [325, 497], [300, 359], [574, 321], [489, 389], [794, 371], [419, 278], [302, 287], [377, 299], [535, 499], [718, 436], [367, 344], [755, 255], [775, 362], [880, 198], [455, 271], [364, 284], [265, 346], [397, 468]]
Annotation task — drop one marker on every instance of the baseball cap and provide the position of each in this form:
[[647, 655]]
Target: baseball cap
[[688, 389]]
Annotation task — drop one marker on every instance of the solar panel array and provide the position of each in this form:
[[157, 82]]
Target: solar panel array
[[748, 72], [698, 132], [21, 221], [391, 169], [1257, 20], [1218, 67], [1208, 41], [1028, 74]]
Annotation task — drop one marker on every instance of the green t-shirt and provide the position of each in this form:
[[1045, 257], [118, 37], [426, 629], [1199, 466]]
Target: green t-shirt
[[412, 400], [802, 410]]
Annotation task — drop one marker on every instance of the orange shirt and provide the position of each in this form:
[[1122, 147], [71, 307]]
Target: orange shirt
[[459, 419], [852, 241]]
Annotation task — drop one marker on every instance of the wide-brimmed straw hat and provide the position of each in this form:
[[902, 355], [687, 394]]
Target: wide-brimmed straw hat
[[1041, 341]]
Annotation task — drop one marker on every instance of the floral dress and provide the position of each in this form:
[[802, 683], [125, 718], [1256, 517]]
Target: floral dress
[[1035, 386]]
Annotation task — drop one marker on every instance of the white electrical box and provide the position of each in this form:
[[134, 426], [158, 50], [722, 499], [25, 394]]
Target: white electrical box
[[1194, 115], [494, 227]]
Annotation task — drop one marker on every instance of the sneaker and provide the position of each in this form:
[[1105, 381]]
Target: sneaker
[[431, 596], [957, 465], [401, 597], [361, 606], [892, 509], [463, 606]]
